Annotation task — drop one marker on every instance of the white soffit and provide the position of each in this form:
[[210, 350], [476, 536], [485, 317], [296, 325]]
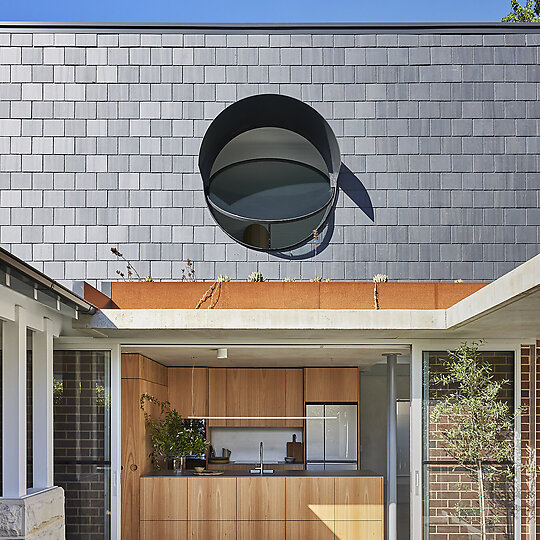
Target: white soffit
[[268, 355]]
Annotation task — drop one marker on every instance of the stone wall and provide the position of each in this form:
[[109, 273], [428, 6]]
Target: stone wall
[[100, 133], [38, 516]]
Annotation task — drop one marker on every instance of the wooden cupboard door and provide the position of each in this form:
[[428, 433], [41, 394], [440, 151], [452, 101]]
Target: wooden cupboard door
[[212, 530], [331, 385], [353, 530], [246, 395], [309, 499], [294, 396], [137, 366], [310, 530], [217, 395], [260, 498], [359, 499], [152, 371], [260, 530], [211, 498], [129, 366], [188, 391], [163, 530], [242, 396], [272, 395], [164, 498], [132, 441]]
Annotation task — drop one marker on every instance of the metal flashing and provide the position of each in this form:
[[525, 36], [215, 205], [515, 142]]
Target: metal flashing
[[292, 28]]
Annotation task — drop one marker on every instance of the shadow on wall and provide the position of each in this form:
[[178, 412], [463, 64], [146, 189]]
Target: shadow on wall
[[352, 186]]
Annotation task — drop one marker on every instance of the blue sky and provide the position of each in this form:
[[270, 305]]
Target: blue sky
[[255, 10]]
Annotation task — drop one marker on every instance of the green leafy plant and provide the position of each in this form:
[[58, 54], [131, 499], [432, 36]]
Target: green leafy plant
[[172, 436], [528, 13], [319, 279], [58, 392], [223, 278], [102, 399], [478, 425]]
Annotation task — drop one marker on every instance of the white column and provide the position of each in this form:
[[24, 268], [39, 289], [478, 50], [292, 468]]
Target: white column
[[14, 406], [416, 440], [42, 401], [116, 433], [391, 447]]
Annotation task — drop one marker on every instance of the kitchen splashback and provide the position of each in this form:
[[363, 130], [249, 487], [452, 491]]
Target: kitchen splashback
[[244, 442]]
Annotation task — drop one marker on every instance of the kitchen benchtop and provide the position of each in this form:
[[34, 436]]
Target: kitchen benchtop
[[287, 473]]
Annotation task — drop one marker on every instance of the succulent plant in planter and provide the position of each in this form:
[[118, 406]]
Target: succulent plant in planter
[[173, 437], [256, 277]]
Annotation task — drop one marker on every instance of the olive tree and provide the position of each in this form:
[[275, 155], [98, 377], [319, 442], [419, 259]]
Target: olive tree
[[478, 422]]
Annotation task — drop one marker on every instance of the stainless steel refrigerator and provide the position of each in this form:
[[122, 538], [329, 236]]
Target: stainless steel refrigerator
[[331, 437]]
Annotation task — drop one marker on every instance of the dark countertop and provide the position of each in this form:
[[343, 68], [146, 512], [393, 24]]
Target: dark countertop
[[292, 473]]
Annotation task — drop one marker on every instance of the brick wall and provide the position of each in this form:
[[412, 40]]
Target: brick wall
[[79, 443], [530, 403], [452, 513], [100, 134]]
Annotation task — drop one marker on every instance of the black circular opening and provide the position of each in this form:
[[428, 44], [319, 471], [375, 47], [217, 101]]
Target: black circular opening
[[269, 165]]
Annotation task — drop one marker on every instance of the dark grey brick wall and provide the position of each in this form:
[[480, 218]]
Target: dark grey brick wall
[[99, 136]]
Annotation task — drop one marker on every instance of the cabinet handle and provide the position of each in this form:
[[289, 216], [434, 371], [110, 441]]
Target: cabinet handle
[[133, 467]]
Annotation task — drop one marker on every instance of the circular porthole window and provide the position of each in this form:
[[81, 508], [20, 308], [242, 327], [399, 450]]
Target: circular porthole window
[[269, 165]]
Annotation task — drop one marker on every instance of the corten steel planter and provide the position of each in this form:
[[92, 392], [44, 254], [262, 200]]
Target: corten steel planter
[[278, 295]]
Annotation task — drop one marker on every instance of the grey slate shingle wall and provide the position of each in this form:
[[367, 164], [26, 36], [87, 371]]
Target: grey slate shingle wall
[[99, 136]]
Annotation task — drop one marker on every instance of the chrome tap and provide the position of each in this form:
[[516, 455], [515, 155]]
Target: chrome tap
[[259, 469]]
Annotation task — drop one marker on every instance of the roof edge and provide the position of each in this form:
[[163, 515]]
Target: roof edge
[[34, 274], [317, 28]]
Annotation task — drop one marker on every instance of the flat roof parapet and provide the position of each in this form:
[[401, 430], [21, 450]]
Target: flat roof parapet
[[281, 295]]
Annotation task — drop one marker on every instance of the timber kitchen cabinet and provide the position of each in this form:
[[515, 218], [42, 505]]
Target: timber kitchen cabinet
[[331, 385], [188, 390], [139, 375], [256, 392], [260, 499], [262, 508], [217, 395]]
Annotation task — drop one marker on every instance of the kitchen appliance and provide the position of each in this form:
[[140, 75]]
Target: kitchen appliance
[[331, 436]]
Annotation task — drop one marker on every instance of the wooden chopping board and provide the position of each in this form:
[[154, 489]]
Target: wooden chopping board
[[295, 450]]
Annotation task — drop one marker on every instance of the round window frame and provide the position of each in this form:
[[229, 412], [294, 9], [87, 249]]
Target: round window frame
[[322, 138]]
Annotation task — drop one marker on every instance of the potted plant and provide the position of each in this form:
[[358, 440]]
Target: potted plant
[[173, 437]]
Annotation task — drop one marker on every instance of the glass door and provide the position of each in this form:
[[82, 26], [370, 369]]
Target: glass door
[[82, 449]]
